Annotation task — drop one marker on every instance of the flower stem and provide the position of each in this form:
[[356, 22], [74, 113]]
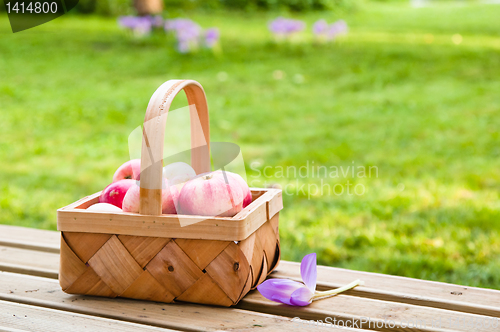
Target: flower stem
[[321, 295]]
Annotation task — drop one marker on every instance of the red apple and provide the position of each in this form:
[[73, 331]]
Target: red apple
[[129, 170], [209, 194], [169, 197], [247, 194], [115, 192]]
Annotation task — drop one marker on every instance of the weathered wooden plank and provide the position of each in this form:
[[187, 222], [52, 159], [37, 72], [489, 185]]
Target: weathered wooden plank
[[26, 261], [22, 317], [350, 308], [29, 238], [377, 286], [404, 290], [44, 292], [375, 314]]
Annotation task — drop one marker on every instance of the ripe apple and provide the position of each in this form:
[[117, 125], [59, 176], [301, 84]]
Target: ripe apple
[[169, 197], [115, 192], [178, 172], [129, 170], [209, 194], [104, 207], [247, 194], [178, 180]]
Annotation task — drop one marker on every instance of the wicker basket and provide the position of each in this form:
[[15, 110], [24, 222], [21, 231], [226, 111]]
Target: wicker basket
[[150, 256]]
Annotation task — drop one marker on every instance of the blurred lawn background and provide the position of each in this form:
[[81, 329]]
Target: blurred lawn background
[[396, 93]]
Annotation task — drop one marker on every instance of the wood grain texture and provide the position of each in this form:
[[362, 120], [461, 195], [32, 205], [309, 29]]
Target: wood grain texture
[[201, 252], [28, 238], [377, 286], [114, 264], [154, 133], [147, 288], [33, 262], [85, 245], [113, 270], [72, 270], [232, 280], [43, 292], [206, 291], [406, 317], [89, 283], [143, 248], [174, 269], [76, 219], [405, 290], [22, 317]]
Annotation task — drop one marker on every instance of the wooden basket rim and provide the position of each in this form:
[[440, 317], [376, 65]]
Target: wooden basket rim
[[263, 208]]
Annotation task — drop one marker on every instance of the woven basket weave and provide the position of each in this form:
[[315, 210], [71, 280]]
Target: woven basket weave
[[150, 256]]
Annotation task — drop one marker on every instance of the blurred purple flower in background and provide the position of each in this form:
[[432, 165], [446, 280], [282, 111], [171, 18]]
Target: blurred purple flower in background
[[337, 28], [284, 28], [190, 35], [157, 21], [322, 31], [140, 25], [320, 27], [211, 37], [186, 32]]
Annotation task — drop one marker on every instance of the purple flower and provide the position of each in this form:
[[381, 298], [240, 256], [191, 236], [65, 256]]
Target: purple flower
[[320, 27], [127, 21], [286, 27], [156, 21], [186, 32], [300, 294], [292, 292], [323, 31], [339, 27], [211, 37], [140, 25]]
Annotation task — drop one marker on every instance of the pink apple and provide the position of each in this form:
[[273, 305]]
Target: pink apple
[[115, 192], [208, 194], [129, 170], [169, 197], [247, 194]]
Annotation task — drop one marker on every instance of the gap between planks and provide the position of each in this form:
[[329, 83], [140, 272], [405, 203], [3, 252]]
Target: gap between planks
[[258, 312], [377, 286], [43, 292], [22, 317]]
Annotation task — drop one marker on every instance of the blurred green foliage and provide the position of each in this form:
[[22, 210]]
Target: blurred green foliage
[[397, 93], [123, 7], [105, 7]]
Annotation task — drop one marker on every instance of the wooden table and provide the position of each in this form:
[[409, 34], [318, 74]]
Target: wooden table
[[31, 300]]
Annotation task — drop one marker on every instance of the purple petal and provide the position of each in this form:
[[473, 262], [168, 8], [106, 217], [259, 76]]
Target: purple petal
[[301, 297], [285, 300], [308, 271], [279, 290]]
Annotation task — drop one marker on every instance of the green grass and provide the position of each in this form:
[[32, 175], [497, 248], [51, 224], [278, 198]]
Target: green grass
[[396, 93]]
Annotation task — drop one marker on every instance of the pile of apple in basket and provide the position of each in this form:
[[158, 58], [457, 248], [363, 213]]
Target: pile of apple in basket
[[219, 193]]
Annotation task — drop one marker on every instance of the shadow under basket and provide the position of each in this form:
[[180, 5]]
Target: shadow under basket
[[213, 261]]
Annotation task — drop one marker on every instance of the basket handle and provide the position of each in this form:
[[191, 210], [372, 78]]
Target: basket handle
[[154, 133]]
